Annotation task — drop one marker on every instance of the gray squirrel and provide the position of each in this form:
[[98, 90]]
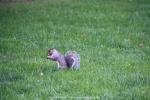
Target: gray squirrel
[[70, 60]]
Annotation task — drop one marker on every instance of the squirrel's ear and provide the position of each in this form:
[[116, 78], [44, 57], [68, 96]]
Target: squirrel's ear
[[49, 50]]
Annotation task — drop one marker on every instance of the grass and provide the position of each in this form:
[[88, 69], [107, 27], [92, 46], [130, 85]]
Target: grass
[[112, 37]]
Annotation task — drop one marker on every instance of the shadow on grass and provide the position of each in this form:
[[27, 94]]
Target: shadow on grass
[[50, 69], [54, 69]]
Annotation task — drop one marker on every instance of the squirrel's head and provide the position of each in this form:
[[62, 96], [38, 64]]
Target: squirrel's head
[[53, 54]]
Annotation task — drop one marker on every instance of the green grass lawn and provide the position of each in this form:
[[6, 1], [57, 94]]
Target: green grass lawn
[[112, 37]]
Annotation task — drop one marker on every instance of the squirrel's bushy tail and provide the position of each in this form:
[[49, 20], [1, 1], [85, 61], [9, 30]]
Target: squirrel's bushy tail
[[73, 59]]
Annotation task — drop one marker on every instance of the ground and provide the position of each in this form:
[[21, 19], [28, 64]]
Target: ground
[[112, 37]]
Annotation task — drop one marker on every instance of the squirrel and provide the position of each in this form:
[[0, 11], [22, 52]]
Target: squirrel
[[70, 60]]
